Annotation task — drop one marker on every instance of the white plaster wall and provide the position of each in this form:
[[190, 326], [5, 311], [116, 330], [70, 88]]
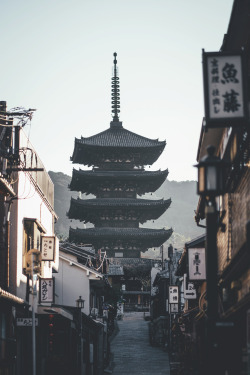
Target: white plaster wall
[[30, 205], [70, 283]]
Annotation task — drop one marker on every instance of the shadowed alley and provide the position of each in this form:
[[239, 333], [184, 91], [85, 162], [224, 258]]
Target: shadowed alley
[[132, 352]]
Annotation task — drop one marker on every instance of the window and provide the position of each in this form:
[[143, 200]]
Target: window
[[32, 231]]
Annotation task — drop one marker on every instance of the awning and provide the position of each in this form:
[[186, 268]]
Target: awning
[[12, 298], [55, 310]]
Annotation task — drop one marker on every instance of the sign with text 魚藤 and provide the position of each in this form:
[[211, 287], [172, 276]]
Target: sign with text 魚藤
[[197, 264], [224, 89], [48, 248], [46, 290]]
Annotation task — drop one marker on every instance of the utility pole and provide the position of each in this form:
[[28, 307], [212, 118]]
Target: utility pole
[[170, 256], [33, 267]]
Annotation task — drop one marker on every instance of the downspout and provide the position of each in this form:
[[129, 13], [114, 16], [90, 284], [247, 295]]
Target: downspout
[[8, 245]]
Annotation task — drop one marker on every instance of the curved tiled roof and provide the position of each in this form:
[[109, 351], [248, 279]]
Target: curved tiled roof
[[119, 137], [135, 173], [119, 202], [116, 140], [90, 180], [89, 210], [151, 237]]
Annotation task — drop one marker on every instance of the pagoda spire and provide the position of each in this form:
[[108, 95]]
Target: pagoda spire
[[115, 92]]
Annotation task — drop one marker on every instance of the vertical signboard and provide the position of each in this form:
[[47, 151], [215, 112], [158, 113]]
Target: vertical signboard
[[46, 290], [224, 89], [48, 248], [174, 308], [197, 264], [173, 294]]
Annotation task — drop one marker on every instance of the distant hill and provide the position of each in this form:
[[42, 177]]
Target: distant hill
[[180, 215]]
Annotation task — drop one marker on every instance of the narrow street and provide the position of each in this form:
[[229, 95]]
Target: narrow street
[[132, 353]]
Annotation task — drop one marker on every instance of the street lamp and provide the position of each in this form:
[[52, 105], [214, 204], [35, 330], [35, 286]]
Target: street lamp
[[80, 306], [80, 303], [211, 183], [210, 175]]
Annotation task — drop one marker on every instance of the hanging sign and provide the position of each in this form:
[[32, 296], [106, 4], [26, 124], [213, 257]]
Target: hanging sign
[[48, 248], [174, 307], [46, 290], [224, 89], [173, 294], [197, 264], [189, 289]]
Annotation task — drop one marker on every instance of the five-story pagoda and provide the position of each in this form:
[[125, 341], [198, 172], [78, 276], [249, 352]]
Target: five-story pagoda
[[118, 157]]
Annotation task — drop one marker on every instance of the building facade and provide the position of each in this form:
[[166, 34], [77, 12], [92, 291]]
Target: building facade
[[232, 144], [27, 216]]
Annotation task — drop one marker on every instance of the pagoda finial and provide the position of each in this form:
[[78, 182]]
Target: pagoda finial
[[115, 92]]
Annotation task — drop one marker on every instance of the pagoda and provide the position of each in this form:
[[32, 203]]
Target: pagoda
[[117, 157]]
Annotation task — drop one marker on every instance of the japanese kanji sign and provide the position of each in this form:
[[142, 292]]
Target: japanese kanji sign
[[197, 264], [25, 322], [173, 294], [174, 308], [189, 289], [48, 248], [46, 290], [224, 89]]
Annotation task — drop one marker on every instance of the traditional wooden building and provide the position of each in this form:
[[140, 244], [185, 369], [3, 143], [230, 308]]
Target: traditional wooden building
[[118, 158], [232, 145]]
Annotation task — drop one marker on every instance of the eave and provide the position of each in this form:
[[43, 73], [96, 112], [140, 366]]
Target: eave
[[90, 210], [90, 155], [209, 136], [88, 270], [90, 181], [6, 188], [141, 237]]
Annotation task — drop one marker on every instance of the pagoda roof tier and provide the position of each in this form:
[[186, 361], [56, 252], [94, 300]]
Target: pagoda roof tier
[[90, 181], [116, 140], [90, 210], [123, 237]]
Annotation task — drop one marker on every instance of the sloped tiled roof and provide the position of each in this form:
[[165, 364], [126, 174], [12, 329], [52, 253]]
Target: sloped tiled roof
[[92, 150], [90, 209], [151, 237], [120, 202], [101, 174], [89, 180], [5, 187], [119, 137]]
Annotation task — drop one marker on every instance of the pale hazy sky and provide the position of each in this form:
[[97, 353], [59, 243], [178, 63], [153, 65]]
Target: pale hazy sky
[[57, 57]]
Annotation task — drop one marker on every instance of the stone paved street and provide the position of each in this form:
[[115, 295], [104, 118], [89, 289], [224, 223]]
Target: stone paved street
[[132, 353]]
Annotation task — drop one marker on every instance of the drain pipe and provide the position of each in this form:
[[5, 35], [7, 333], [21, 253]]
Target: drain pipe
[[8, 245]]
